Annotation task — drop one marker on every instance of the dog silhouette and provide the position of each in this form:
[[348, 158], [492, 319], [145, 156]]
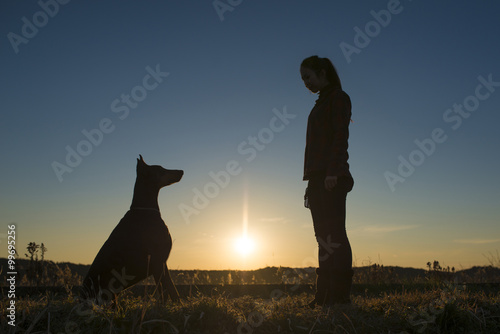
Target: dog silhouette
[[139, 245]]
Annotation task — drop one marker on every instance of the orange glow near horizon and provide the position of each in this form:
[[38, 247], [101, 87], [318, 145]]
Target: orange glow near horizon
[[244, 245]]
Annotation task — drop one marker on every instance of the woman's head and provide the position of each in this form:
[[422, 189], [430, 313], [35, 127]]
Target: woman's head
[[319, 72]]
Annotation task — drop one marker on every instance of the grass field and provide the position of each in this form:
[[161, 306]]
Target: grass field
[[384, 300], [437, 308]]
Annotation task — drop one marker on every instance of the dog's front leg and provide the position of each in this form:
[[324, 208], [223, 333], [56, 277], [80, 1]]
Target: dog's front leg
[[169, 286], [165, 285]]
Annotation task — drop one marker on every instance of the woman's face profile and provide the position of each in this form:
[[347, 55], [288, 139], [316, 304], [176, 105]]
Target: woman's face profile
[[311, 80]]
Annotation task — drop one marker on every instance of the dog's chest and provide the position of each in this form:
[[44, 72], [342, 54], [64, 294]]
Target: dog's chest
[[141, 225]]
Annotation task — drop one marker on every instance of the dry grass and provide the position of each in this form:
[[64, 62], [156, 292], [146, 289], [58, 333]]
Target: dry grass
[[443, 309]]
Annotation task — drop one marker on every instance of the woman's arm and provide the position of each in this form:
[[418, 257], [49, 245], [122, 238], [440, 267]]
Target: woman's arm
[[341, 115]]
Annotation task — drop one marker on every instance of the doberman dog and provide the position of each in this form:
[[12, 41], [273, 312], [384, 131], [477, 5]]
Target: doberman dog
[[139, 245]]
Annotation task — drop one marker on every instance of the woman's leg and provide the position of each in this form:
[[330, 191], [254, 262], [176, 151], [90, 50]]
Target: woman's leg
[[334, 253]]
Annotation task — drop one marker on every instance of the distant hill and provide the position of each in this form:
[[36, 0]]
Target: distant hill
[[278, 275], [80, 269], [51, 268]]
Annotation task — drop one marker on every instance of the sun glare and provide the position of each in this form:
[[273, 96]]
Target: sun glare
[[244, 246]]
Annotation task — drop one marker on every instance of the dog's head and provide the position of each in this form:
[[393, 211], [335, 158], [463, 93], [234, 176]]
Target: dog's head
[[157, 174]]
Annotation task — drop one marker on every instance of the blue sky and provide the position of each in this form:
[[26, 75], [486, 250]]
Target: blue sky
[[235, 79]]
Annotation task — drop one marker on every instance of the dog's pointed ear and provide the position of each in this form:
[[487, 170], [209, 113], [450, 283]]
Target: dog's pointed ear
[[141, 163]]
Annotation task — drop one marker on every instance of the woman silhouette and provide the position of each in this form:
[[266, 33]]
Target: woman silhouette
[[329, 179]]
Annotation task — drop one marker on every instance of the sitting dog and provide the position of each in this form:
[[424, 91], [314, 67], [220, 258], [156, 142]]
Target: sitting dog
[[139, 245]]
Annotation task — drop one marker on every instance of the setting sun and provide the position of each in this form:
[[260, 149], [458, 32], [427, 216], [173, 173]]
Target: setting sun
[[244, 245]]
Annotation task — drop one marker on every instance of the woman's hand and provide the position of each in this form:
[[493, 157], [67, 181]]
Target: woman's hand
[[330, 182]]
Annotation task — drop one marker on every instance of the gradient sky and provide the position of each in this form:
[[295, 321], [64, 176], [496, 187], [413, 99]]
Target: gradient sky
[[229, 75]]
